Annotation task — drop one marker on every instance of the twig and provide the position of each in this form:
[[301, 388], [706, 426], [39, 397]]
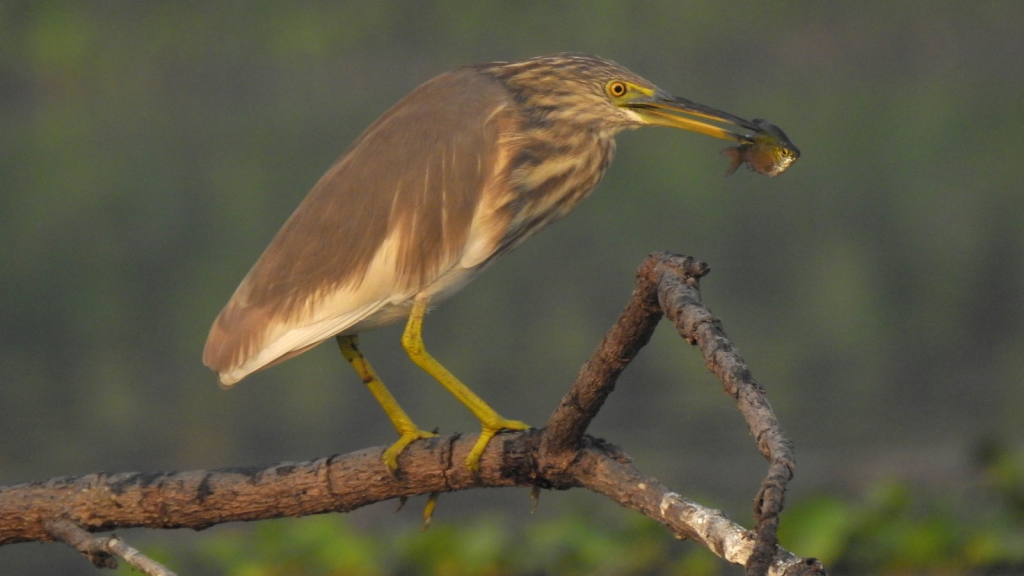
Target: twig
[[669, 284], [683, 517], [597, 377], [100, 550], [696, 324]]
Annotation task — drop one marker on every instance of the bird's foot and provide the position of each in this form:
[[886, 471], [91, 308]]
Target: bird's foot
[[490, 428], [390, 456]]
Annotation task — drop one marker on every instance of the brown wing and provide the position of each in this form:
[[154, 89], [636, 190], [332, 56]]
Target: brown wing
[[412, 182]]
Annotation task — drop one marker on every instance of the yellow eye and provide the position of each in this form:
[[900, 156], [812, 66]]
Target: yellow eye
[[617, 89]]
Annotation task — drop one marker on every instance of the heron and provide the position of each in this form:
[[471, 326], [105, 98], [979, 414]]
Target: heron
[[459, 172]]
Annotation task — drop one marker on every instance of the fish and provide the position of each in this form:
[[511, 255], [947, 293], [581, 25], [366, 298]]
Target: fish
[[769, 151]]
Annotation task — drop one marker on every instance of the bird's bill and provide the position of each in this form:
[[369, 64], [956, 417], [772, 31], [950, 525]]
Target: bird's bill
[[666, 110]]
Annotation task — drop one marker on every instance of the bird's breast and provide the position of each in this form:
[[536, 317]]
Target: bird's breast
[[547, 186]]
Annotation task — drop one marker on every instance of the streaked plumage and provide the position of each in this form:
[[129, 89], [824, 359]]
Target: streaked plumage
[[461, 170], [403, 211]]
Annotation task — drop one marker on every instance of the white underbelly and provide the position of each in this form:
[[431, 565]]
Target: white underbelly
[[440, 290]]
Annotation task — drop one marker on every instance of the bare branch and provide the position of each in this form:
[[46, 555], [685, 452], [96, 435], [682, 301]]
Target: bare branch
[[101, 550], [681, 302], [685, 518], [147, 565], [559, 456], [597, 378], [669, 284], [202, 498], [92, 548], [617, 349]]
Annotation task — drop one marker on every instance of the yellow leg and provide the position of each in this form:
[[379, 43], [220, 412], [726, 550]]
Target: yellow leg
[[491, 421], [407, 431]]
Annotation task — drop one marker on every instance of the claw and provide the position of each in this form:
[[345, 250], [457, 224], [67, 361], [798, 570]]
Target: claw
[[390, 456], [428, 510], [488, 432]]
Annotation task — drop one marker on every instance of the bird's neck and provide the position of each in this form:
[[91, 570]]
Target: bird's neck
[[549, 177]]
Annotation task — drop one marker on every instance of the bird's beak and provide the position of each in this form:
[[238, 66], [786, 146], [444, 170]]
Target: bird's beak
[[663, 109]]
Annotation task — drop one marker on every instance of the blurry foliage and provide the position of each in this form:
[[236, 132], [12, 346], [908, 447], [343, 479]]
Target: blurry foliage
[[898, 528], [578, 544], [894, 528], [149, 151]]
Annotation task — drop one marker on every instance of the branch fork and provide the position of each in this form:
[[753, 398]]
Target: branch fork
[[560, 456]]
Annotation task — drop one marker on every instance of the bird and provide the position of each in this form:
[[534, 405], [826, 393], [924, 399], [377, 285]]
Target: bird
[[457, 173]]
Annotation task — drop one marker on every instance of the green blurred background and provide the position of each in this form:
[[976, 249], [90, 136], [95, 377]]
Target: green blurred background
[[150, 150]]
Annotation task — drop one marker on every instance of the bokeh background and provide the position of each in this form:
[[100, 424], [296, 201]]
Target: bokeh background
[[150, 150]]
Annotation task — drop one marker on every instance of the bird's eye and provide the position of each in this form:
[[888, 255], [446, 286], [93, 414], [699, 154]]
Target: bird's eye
[[617, 89]]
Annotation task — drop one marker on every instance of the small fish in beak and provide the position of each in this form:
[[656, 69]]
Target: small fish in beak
[[769, 151]]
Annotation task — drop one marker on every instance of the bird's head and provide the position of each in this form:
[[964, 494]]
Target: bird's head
[[580, 89]]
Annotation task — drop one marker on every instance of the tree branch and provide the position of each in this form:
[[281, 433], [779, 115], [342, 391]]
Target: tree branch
[[101, 550], [680, 301], [558, 456]]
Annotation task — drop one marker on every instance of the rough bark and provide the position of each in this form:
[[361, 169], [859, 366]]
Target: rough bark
[[561, 455]]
